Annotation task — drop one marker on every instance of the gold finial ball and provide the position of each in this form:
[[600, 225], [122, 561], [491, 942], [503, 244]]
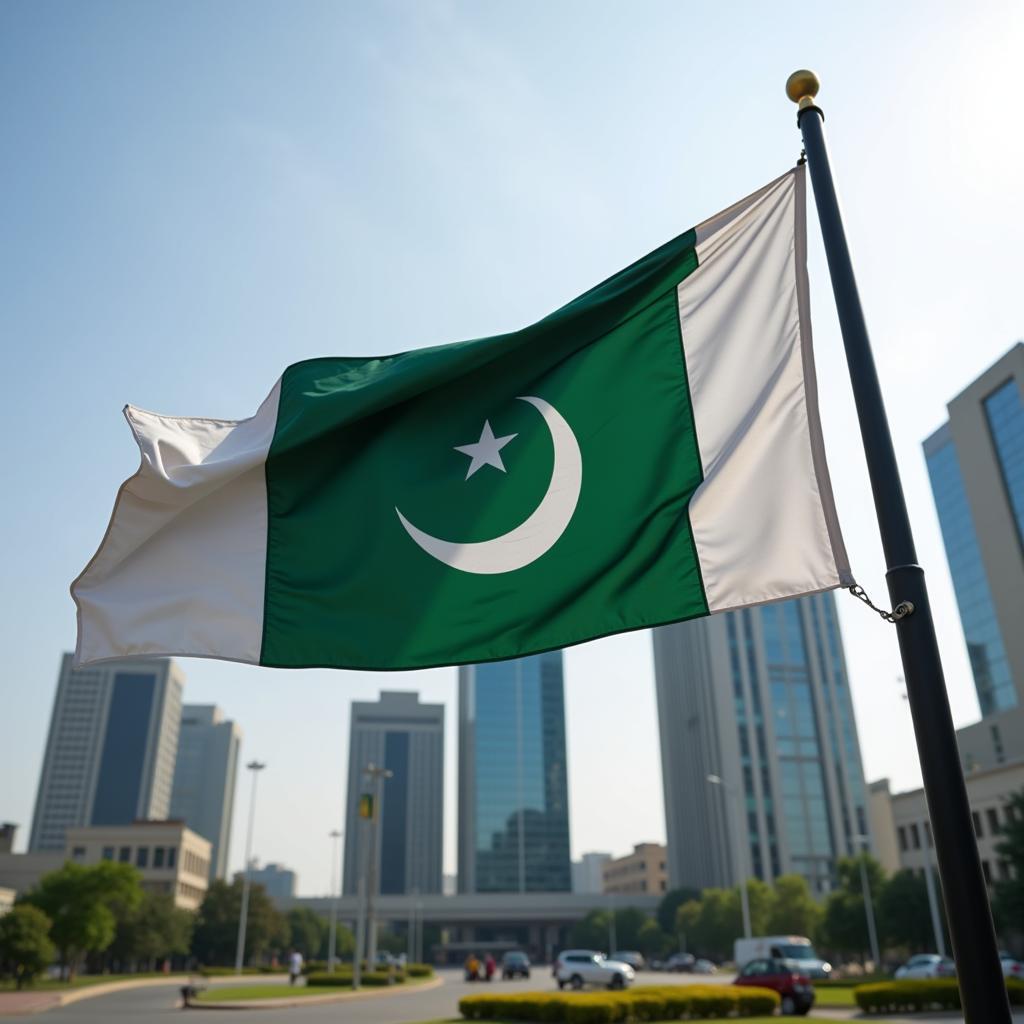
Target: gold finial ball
[[802, 85]]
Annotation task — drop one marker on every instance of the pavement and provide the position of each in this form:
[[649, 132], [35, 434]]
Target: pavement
[[400, 1006]]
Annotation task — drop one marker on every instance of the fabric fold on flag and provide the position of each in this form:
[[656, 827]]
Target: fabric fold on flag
[[650, 452]]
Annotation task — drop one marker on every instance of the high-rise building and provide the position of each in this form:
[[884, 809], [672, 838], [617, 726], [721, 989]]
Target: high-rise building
[[513, 788], [759, 699], [205, 773], [406, 737], [976, 465], [278, 880], [587, 874], [110, 752]]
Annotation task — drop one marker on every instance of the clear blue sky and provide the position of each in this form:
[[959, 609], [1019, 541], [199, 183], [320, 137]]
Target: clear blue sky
[[194, 195]]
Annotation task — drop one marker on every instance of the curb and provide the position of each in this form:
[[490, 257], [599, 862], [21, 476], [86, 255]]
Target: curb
[[330, 997]]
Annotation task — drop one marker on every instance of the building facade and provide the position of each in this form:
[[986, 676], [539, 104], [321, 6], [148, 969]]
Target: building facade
[[759, 698], [976, 467], [645, 870], [111, 747], [587, 875], [513, 832], [205, 775], [988, 792], [406, 737], [170, 857], [278, 880]]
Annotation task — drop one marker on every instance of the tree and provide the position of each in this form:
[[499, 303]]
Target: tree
[[25, 946], [308, 931], [712, 923], [670, 903], [845, 926], [592, 932], [80, 901], [904, 916], [154, 930], [1009, 893], [216, 930], [794, 910], [652, 941]]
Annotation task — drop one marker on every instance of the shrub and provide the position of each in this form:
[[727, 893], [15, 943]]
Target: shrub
[[327, 979], [376, 978], [225, 972], [908, 996], [419, 970]]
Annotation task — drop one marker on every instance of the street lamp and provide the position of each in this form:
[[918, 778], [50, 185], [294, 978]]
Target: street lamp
[[869, 909], [741, 860], [335, 835], [255, 767]]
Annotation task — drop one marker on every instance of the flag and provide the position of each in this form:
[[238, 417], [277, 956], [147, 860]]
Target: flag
[[650, 452]]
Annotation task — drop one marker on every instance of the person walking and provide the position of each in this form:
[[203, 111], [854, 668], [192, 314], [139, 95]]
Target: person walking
[[294, 966], [490, 966]]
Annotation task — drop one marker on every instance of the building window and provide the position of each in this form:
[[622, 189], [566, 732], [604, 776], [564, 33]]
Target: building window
[[992, 815], [915, 836], [108, 853], [125, 854], [78, 853], [158, 856], [142, 856], [976, 818], [902, 833], [172, 856]]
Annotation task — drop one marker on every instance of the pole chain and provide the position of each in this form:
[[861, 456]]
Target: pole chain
[[901, 611]]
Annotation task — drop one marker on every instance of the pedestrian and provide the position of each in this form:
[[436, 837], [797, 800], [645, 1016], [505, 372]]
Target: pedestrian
[[472, 967], [490, 966], [294, 966]]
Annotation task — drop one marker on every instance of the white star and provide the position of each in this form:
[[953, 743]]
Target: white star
[[486, 451]]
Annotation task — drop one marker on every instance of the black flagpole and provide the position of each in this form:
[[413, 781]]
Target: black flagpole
[[982, 989]]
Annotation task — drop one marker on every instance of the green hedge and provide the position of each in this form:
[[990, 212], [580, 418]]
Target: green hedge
[[226, 972], [645, 1003], [333, 979], [914, 995], [419, 970]]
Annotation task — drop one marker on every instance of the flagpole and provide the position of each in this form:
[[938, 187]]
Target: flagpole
[[979, 973]]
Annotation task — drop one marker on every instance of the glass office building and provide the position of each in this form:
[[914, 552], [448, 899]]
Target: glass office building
[[760, 699], [513, 790], [976, 467]]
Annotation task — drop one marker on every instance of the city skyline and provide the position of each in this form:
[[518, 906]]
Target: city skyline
[[206, 229]]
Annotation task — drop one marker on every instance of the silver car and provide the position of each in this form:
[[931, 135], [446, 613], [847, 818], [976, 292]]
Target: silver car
[[579, 967]]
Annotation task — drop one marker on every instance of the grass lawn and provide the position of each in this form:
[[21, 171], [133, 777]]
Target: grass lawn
[[238, 993], [834, 997], [81, 981]]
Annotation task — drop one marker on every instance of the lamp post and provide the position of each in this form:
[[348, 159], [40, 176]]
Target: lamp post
[[335, 836], [869, 907], [376, 775], [255, 767], [741, 860]]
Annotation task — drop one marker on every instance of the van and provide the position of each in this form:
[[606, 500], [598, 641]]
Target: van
[[797, 948]]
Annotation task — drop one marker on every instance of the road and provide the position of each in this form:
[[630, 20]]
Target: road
[[139, 1006]]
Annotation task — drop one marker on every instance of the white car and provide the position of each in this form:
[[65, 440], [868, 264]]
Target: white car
[[579, 967], [1012, 968], [927, 965]]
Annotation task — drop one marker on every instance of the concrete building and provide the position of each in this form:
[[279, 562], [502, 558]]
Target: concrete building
[[406, 737], [513, 832], [988, 793], [7, 832], [19, 872], [887, 851], [111, 747], [7, 897], [205, 775], [976, 466], [760, 698], [645, 870], [278, 880], [587, 874], [169, 855]]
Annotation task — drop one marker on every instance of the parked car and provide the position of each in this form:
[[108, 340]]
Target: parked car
[[1012, 967], [783, 976], [515, 965], [927, 965], [633, 957], [702, 966], [579, 967], [682, 962]]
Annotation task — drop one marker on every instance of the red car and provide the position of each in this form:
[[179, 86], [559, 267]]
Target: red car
[[784, 977]]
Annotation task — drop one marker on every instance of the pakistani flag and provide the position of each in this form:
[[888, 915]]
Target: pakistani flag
[[648, 453]]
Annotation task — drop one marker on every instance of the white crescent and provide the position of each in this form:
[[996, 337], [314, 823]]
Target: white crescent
[[536, 534]]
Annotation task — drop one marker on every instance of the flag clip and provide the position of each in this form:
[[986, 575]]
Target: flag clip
[[901, 611]]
